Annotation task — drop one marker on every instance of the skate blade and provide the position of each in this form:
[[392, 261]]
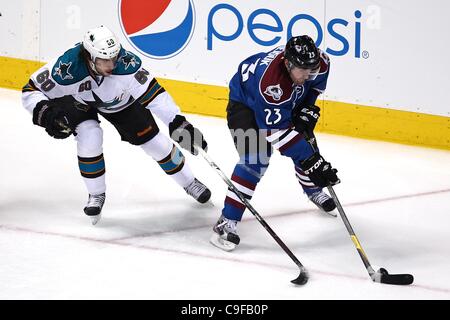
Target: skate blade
[[220, 243], [95, 219], [331, 213]]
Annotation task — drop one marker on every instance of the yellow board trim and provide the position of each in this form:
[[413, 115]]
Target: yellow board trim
[[198, 98], [336, 117], [14, 73]]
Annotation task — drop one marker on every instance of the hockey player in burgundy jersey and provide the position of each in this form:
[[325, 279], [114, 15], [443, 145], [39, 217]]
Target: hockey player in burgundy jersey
[[98, 76], [272, 105]]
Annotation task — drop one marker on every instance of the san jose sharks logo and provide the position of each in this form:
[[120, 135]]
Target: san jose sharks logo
[[63, 71], [129, 60], [99, 103], [274, 91]]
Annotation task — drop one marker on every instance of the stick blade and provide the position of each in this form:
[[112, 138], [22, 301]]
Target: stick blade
[[302, 278], [383, 276], [397, 279]]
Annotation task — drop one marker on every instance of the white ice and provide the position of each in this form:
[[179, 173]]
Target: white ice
[[152, 242]]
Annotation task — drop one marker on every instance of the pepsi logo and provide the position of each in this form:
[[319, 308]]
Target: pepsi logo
[[158, 29]]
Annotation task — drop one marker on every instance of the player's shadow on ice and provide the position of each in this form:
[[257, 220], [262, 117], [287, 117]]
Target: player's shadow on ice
[[334, 236], [153, 218]]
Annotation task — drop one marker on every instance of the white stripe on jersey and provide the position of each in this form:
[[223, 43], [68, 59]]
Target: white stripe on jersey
[[276, 135], [233, 196], [318, 90], [285, 140], [243, 189], [305, 182], [301, 176]]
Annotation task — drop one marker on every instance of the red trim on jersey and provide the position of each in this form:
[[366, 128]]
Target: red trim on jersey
[[276, 75], [324, 62], [293, 141], [234, 203], [243, 182]]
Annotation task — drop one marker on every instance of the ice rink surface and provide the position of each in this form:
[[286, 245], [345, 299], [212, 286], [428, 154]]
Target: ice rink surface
[[152, 242]]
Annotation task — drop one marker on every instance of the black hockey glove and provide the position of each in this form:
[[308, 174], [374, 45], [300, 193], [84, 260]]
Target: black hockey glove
[[53, 118], [319, 171], [304, 118], [183, 132]]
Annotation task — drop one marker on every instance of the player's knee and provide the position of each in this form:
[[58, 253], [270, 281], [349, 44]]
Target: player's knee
[[89, 138], [159, 147], [255, 164], [168, 156]]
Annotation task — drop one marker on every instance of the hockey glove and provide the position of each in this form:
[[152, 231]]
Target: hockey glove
[[319, 171], [183, 132], [53, 118], [305, 118]]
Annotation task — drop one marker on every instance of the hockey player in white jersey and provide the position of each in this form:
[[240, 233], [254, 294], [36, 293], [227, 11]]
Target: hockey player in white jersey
[[98, 76]]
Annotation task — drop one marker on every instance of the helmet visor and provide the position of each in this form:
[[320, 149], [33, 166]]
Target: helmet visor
[[307, 74], [314, 73]]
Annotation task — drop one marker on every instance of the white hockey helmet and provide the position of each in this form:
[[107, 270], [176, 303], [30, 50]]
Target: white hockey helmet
[[101, 43]]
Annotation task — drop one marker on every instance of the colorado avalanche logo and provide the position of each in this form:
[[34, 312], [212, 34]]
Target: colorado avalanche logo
[[159, 29], [274, 91]]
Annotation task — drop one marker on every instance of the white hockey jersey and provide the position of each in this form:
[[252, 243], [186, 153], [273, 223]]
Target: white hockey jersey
[[129, 82]]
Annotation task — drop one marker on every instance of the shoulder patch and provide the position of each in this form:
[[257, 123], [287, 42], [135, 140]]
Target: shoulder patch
[[62, 70], [274, 91], [276, 85], [128, 63], [69, 68]]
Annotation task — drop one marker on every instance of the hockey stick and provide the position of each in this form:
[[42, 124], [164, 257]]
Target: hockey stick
[[303, 276], [381, 276]]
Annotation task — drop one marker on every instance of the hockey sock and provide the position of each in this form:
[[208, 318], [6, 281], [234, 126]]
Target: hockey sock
[[246, 176], [92, 170], [169, 158], [90, 156], [174, 165]]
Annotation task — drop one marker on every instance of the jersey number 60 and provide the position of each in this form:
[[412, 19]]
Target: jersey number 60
[[44, 80]]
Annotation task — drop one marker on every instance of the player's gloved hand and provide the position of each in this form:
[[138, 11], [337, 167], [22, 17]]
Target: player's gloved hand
[[304, 118], [53, 118], [319, 171], [183, 132]]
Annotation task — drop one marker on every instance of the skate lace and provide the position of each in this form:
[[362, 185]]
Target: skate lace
[[229, 226], [195, 189], [319, 197], [220, 225], [96, 200]]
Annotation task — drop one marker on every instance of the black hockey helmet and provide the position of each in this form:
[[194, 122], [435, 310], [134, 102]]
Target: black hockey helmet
[[302, 52]]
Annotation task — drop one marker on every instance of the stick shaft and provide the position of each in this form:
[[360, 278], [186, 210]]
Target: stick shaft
[[313, 143], [250, 208], [351, 232]]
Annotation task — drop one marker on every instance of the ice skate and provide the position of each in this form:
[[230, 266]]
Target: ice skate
[[324, 202], [225, 234], [198, 191], [94, 207]]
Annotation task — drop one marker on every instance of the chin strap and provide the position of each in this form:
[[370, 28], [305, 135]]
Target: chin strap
[[92, 66]]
